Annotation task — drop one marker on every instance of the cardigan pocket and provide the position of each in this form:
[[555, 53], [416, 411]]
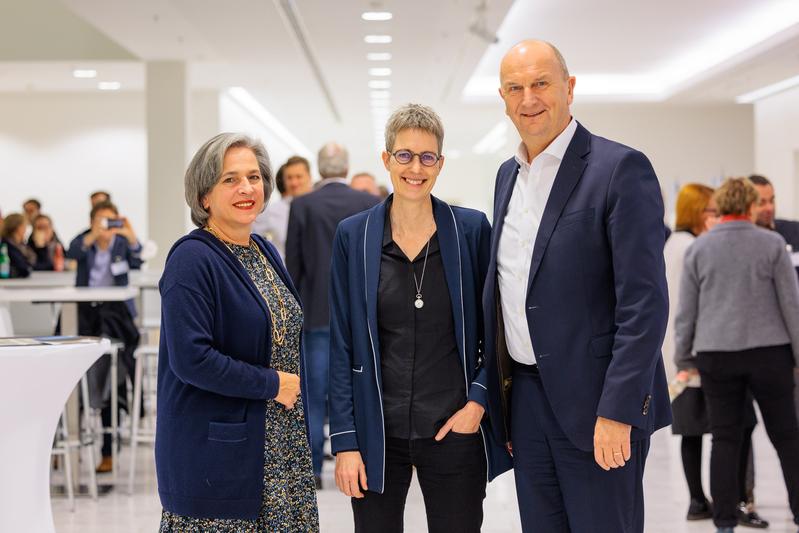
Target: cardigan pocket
[[227, 432]]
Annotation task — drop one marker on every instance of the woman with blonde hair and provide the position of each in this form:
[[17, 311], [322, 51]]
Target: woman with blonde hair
[[739, 313]]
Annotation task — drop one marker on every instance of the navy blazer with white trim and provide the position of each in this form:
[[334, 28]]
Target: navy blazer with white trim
[[356, 415]]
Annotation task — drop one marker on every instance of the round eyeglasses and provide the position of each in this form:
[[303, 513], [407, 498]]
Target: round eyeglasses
[[428, 159]]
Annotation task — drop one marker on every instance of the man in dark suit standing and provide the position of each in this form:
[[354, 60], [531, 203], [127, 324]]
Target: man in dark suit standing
[[312, 224], [767, 213], [575, 305]]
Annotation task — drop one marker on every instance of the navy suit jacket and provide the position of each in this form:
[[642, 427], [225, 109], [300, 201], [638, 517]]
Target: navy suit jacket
[[356, 405], [309, 238], [596, 298]]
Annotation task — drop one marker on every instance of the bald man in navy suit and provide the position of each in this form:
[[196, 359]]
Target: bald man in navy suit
[[575, 305]]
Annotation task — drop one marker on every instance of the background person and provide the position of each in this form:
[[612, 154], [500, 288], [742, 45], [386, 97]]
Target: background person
[[312, 223], [739, 312], [105, 254], [21, 258], [363, 181], [45, 244]]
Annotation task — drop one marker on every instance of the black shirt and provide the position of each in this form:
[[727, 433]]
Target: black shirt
[[423, 380]]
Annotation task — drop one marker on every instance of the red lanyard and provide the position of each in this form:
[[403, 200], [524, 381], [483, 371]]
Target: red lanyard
[[733, 218]]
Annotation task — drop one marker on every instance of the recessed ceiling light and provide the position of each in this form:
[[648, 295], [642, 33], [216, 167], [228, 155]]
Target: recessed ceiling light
[[380, 94], [378, 56], [377, 15], [109, 85], [380, 71], [379, 84], [377, 39], [84, 73]]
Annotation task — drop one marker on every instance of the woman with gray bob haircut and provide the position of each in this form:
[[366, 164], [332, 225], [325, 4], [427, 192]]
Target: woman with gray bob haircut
[[231, 447], [739, 313]]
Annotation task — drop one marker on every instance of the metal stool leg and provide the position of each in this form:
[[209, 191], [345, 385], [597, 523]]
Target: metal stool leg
[[64, 445], [88, 439], [114, 412], [135, 410]]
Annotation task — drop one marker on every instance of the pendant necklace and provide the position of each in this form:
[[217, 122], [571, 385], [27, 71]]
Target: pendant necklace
[[419, 302]]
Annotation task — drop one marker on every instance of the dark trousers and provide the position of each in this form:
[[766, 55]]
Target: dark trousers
[[726, 376], [560, 488], [317, 357], [452, 476], [691, 450]]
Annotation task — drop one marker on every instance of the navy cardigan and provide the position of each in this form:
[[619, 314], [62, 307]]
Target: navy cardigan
[[356, 405], [213, 380]]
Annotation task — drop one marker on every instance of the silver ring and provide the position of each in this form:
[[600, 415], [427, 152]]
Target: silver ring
[[618, 453]]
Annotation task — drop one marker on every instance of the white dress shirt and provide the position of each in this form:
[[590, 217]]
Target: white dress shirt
[[273, 223], [525, 210]]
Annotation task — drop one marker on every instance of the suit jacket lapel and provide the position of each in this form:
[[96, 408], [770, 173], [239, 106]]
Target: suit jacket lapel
[[449, 244], [372, 252], [569, 173], [503, 193]]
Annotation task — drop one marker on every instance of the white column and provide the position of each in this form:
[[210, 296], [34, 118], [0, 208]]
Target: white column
[[167, 138]]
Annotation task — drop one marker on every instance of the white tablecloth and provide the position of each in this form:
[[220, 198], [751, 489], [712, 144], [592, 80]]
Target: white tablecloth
[[35, 382]]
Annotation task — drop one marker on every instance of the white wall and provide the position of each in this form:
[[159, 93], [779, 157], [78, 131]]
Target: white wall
[[685, 144], [59, 148], [777, 148]]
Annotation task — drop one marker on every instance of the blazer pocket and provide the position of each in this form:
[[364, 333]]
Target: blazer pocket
[[602, 345], [227, 432], [569, 219]]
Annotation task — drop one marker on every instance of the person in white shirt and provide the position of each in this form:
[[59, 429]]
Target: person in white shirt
[[575, 308], [292, 179]]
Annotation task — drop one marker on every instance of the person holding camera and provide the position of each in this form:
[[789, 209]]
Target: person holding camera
[[105, 253]]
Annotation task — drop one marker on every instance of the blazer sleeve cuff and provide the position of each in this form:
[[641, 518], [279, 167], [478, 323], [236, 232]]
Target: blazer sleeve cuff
[[272, 384], [479, 394], [344, 441]]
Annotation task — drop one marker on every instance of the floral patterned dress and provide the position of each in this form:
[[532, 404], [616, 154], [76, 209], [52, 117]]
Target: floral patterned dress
[[289, 498]]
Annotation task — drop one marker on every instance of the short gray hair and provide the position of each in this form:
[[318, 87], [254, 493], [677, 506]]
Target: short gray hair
[[205, 169], [333, 161], [416, 117]]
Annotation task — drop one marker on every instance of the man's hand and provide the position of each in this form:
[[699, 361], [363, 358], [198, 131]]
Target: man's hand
[[349, 471], [127, 231], [611, 443], [465, 420]]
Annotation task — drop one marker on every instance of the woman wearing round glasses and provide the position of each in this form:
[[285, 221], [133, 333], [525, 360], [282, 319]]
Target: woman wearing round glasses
[[407, 385]]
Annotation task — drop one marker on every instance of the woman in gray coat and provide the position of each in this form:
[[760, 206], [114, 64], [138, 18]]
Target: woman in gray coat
[[739, 313]]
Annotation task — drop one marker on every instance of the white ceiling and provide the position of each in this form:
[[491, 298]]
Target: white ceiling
[[683, 44]]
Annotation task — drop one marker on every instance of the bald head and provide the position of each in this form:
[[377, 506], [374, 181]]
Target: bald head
[[537, 91], [531, 50]]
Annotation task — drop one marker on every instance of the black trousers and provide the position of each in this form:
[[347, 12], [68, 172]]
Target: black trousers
[[452, 476], [768, 373]]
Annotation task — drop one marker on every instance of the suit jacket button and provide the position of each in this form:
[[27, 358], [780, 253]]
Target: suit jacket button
[[647, 401]]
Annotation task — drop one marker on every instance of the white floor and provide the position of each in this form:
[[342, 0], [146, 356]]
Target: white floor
[[666, 499]]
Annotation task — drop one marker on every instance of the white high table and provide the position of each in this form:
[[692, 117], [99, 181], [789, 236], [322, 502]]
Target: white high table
[[69, 298], [35, 382]]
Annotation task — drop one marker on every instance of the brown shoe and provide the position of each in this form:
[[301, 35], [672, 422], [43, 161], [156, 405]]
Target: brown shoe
[[106, 465]]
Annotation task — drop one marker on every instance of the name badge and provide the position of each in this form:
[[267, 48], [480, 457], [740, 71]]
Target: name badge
[[120, 267]]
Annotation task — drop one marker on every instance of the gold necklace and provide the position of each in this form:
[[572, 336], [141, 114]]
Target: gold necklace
[[278, 333]]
